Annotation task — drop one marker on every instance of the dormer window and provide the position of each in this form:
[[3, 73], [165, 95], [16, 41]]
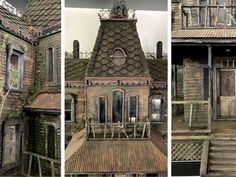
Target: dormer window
[[118, 56]]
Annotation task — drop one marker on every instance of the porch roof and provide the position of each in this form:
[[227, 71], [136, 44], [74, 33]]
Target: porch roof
[[45, 101], [205, 33], [140, 156]]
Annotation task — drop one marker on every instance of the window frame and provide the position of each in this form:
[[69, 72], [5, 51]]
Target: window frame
[[72, 110], [54, 78], [161, 119], [123, 105], [106, 108], [18, 51], [137, 110]]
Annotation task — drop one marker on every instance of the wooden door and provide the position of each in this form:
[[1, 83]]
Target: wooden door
[[227, 97]]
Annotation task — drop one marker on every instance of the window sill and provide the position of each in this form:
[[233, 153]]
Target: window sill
[[16, 90]]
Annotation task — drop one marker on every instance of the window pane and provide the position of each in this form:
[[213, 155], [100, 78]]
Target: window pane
[[14, 71], [156, 109], [117, 106], [50, 65], [67, 115], [68, 104], [102, 109], [132, 106]]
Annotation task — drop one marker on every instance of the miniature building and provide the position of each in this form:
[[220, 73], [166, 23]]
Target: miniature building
[[116, 104], [203, 67], [30, 73]]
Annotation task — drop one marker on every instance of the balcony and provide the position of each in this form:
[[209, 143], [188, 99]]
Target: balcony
[[208, 16], [120, 130]]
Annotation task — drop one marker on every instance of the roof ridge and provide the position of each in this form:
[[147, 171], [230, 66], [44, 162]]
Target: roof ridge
[[6, 5]]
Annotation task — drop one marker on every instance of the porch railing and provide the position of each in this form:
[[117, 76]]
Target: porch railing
[[126, 130], [39, 159], [208, 15], [192, 103]]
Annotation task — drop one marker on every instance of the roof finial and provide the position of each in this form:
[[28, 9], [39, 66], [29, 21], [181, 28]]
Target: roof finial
[[119, 9]]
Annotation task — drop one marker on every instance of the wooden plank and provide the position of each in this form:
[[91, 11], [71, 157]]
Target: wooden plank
[[204, 158], [53, 172], [190, 102]]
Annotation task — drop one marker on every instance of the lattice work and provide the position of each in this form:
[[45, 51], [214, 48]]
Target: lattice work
[[186, 151]]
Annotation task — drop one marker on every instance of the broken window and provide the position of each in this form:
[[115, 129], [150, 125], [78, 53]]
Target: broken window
[[156, 109], [69, 108], [15, 68], [117, 108], [102, 114], [133, 108], [51, 73]]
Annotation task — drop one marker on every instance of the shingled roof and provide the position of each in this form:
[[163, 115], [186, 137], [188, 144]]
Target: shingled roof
[[75, 69], [116, 156], [117, 34], [43, 13], [157, 69], [14, 23], [205, 33]]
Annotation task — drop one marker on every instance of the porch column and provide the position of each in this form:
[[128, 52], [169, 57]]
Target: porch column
[[210, 86]]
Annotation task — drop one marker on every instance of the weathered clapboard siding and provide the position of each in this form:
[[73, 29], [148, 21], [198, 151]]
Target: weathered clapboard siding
[[194, 90], [176, 15]]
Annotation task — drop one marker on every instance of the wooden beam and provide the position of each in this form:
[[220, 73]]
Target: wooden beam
[[190, 102], [204, 158]]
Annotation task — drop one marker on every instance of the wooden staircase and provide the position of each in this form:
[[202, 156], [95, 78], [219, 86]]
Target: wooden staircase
[[222, 158]]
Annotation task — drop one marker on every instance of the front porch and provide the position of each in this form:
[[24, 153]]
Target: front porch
[[218, 127]]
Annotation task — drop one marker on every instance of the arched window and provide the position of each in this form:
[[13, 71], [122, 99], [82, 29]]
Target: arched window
[[117, 106], [102, 109], [51, 73], [118, 56], [133, 108]]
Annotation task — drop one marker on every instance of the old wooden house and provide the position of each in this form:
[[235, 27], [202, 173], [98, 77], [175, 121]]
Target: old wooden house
[[30, 74], [203, 85], [118, 98]]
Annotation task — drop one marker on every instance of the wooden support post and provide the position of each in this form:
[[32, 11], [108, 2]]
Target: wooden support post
[[191, 116], [204, 158], [53, 172], [149, 130], [30, 164], [210, 87], [40, 169]]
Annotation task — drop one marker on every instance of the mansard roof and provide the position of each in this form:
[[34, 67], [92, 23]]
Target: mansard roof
[[117, 33]]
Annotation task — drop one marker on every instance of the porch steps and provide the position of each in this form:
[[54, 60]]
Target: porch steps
[[222, 157]]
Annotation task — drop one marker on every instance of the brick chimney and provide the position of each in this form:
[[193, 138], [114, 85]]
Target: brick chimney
[[76, 49], [159, 49]]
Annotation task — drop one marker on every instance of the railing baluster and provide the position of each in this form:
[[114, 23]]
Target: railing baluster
[[105, 131], [30, 164], [191, 116], [40, 169], [134, 130], [53, 173], [144, 129]]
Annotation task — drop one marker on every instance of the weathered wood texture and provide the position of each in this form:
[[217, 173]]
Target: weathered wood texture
[[93, 93], [41, 62], [194, 90]]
